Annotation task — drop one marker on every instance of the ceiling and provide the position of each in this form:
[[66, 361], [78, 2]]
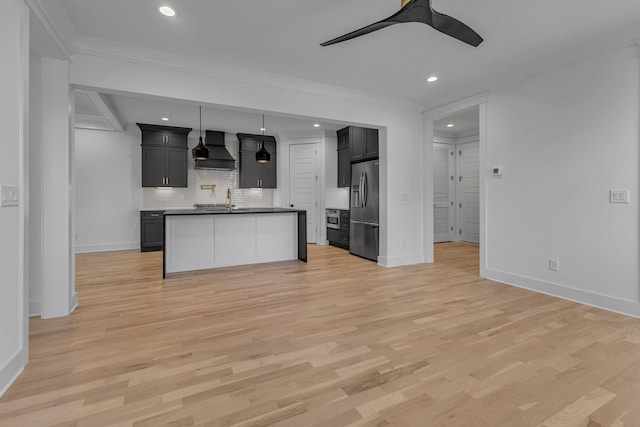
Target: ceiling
[[283, 37], [129, 110]]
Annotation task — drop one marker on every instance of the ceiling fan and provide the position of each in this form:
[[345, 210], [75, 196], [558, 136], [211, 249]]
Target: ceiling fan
[[418, 11]]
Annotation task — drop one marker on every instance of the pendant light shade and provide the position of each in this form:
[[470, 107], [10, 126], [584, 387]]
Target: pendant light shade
[[200, 151], [263, 156]]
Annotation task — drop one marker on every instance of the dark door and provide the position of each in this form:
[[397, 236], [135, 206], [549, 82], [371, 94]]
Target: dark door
[[357, 141], [344, 167], [152, 234], [371, 149], [176, 174], [268, 171], [248, 170], [175, 140], [153, 166], [343, 138], [153, 138]]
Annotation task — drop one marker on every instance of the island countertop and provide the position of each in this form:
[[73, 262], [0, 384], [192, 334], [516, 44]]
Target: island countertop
[[235, 211]]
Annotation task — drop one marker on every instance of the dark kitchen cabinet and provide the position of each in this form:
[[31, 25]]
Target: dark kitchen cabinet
[[164, 156], [344, 167], [363, 143], [344, 228], [151, 231], [340, 238], [343, 139], [253, 174]]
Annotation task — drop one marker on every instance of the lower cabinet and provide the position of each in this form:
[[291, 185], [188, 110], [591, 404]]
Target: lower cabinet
[[340, 237], [151, 231], [333, 236]]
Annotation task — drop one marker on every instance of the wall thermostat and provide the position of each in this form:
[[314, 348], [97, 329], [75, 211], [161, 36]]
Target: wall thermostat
[[497, 171]]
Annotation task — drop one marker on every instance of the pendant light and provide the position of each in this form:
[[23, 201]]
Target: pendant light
[[200, 151], [263, 156]]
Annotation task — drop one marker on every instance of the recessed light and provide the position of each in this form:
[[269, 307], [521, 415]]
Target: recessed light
[[316, 125], [165, 119], [432, 79], [450, 125], [167, 11], [263, 129]]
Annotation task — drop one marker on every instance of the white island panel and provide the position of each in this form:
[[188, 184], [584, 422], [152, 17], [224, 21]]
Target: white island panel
[[197, 242], [276, 241], [235, 239], [192, 243]]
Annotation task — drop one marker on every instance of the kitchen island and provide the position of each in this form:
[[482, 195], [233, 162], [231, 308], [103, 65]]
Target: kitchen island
[[199, 239]]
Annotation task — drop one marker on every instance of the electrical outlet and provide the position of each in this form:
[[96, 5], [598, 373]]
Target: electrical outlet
[[9, 196], [554, 265], [619, 196]]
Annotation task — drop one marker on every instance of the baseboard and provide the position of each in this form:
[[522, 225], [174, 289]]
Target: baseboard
[[80, 249], [11, 371], [74, 302], [604, 302], [399, 261], [35, 308]]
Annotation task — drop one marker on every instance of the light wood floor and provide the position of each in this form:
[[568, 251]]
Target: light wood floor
[[335, 342]]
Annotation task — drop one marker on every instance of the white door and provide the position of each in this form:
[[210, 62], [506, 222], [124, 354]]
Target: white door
[[303, 184], [469, 192], [443, 192]]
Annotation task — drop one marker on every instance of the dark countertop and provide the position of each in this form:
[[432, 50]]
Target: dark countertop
[[226, 212]]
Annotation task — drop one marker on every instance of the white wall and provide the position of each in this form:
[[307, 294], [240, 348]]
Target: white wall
[[35, 186], [108, 194], [14, 116], [564, 139], [401, 147], [58, 291]]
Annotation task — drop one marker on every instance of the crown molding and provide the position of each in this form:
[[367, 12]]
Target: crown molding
[[51, 28], [441, 139], [455, 107], [100, 48]]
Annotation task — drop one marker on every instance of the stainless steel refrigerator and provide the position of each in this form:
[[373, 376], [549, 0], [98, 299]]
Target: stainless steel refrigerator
[[365, 210]]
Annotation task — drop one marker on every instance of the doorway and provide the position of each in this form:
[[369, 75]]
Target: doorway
[[456, 192], [456, 180], [303, 184]]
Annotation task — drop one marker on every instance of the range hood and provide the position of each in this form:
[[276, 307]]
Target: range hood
[[219, 156]]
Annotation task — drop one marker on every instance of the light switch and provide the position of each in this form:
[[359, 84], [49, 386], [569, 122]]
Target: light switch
[[619, 196], [9, 196]]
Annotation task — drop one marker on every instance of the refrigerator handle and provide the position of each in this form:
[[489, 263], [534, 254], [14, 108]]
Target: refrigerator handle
[[365, 188], [361, 190]]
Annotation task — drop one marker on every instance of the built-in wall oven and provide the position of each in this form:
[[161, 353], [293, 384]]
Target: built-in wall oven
[[333, 218]]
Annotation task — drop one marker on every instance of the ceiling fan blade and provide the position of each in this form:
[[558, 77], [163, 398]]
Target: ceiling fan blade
[[454, 28], [361, 32]]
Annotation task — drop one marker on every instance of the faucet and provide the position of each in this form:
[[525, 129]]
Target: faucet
[[228, 201]]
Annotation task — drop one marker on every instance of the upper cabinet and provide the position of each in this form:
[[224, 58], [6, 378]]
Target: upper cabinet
[[355, 144], [363, 143], [164, 155], [253, 174], [344, 158]]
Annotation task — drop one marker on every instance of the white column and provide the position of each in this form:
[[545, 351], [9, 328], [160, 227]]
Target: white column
[[14, 113], [58, 289]]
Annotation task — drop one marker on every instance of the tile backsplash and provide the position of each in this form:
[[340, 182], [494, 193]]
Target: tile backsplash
[[157, 198]]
